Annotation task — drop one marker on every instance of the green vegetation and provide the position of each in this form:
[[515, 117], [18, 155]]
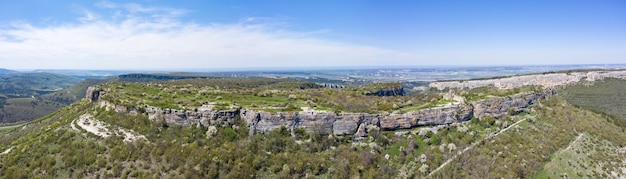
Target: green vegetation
[[257, 93], [174, 151], [27, 108], [607, 97], [524, 150], [373, 87], [5, 128], [485, 92], [28, 96], [171, 151], [6, 71], [541, 142], [580, 159], [228, 151], [29, 84]]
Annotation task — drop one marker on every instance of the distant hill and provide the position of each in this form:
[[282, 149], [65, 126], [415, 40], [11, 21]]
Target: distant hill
[[29, 84], [6, 71], [86, 74], [28, 96], [140, 77]]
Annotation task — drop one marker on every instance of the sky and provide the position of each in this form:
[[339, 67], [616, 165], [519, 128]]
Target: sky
[[210, 34]]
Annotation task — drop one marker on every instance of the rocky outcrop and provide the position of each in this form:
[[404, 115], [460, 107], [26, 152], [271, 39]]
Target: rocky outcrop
[[355, 124], [319, 122], [93, 94], [545, 80], [204, 115], [330, 85], [387, 92], [500, 106]]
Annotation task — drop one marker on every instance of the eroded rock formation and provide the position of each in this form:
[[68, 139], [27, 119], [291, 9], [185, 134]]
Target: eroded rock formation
[[545, 80], [356, 124], [92, 94], [388, 92]]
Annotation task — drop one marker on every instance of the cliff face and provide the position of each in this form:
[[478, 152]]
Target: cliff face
[[92, 94], [546, 80], [388, 92], [356, 124], [502, 105]]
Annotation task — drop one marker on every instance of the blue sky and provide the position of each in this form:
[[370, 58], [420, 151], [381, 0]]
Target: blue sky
[[207, 34]]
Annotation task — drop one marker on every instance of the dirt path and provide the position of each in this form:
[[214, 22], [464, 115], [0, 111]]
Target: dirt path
[[102, 129], [444, 164], [6, 151], [573, 142], [93, 126]]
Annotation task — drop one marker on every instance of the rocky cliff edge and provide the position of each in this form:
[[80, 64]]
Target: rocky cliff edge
[[356, 124], [545, 80]]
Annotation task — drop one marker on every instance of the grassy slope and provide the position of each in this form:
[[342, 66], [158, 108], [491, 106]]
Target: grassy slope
[[278, 95], [607, 96], [24, 109], [258, 93], [524, 150], [173, 151], [26, 84], [6, 128], [580, 159], [29, 96], [27, 109]]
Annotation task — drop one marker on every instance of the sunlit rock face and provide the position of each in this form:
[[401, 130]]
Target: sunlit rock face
[[545, 80], [324, 122]]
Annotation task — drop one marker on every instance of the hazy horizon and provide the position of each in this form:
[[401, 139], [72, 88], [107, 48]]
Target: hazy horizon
[[333, 68]]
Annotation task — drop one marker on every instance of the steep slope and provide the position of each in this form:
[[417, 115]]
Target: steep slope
[[606, 96], [523, 150]]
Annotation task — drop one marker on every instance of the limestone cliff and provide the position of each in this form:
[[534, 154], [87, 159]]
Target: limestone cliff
[[92, 94], [356, 124], [388, 92], [502, 105], [545, 80]]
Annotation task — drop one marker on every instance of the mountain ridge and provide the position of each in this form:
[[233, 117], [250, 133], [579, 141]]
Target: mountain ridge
[[94, 139]]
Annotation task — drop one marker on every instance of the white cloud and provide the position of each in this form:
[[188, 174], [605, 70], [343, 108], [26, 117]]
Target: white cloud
[[89, 16], [138, 37]]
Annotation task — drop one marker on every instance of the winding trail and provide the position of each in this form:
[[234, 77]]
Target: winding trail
[[103, 130], [444, 164], [573, 142]]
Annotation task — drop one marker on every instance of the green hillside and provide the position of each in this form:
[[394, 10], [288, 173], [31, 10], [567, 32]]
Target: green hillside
[[86, 141], [6, 71], [28, 96], [257, 93], [607, 97], [534, 147], [28, 84]]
